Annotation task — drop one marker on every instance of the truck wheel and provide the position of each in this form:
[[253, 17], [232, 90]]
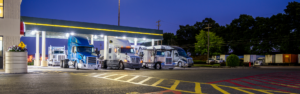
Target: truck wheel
[[170, 68], [61, 63], [76, 66], [157, 66], [179, 64], [64, 65], [121, 66], [103, 63], [137, 68]]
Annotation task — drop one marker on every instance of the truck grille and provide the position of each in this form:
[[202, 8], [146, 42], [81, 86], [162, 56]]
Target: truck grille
[[135, 59], [190, 60], [61, 57], [91, 59], [168, 60]]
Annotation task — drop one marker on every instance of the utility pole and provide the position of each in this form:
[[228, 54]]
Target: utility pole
[[158, 24], [207, 43], [119, 15]]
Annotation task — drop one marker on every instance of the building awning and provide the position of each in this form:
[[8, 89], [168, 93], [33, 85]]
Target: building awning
[[62, 27]]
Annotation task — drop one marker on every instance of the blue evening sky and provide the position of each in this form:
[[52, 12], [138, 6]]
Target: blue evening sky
[[145, 13]]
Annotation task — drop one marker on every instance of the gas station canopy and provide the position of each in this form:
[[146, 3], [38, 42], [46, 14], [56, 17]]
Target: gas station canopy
[[60, 28]]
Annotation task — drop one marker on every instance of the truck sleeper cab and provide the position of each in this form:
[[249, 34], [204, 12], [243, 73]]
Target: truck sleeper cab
[[157, 57], [81, 54]]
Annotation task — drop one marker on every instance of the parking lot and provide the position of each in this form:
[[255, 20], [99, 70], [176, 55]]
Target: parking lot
[[150, 81]]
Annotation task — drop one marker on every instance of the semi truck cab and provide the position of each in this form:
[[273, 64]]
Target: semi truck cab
[[180, 57], [56, 54], [121, 55], [81, 54], [158, 57]]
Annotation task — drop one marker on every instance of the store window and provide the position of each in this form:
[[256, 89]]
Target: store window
[[1, 9]]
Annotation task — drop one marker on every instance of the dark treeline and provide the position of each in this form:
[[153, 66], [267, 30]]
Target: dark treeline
[[246, 34]]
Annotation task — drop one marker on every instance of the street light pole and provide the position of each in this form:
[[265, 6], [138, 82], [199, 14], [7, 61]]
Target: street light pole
[[119, 15]]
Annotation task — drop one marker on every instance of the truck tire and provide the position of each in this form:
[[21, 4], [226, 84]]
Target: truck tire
[[65, 63], [76, 66], [170, 68], [61, 63], [157, 66], [104, 65], [121, 66], [137, 68], [179, 64]]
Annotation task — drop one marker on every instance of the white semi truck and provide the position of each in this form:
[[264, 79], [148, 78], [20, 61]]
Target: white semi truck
[[55, 55], [180, 58], [157, 57], [120, 55]]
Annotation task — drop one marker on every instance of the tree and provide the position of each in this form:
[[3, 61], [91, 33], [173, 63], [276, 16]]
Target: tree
[[186, 37], [240, 33], [215, 43], [169, 39]]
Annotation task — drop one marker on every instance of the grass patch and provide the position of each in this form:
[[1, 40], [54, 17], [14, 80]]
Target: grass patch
[[205, 65]]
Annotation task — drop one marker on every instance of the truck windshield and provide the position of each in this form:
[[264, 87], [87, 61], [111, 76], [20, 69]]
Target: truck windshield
[[160, 53], [85, 49], [181, 52], [127, 50], [58, 52]]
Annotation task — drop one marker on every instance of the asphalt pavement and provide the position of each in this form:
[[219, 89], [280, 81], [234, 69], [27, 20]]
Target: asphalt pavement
[[55, 80]]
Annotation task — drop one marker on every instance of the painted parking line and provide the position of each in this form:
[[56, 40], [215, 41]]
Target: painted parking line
[[157, 82], [198, 88], [284, 81], [173, 87], [219, 89]]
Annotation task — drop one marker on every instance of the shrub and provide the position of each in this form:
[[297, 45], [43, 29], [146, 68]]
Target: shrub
[[232, 60], [222, 64], [212, 62]]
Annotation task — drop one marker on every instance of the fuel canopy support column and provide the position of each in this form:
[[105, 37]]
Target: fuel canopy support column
[[153, 42], [37, 50], [105, 43], [44, 62], [92, 39], [135, 41]]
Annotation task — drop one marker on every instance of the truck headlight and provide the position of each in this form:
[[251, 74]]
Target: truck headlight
[[126, 60]]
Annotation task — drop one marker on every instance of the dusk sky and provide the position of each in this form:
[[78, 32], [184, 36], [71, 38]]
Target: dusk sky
[[145, 13]]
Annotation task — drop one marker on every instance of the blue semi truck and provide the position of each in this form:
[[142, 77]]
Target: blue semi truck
[[81, 54]]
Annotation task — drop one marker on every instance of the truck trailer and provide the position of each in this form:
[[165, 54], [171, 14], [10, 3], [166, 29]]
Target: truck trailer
[[158, 57], [81, 54], [120, 55], [286, 58]]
